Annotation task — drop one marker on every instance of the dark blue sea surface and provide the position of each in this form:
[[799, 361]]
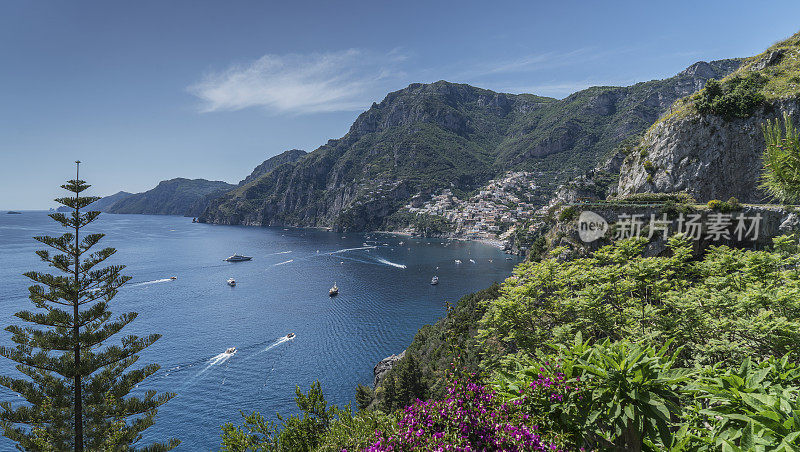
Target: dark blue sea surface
[[385, 297]]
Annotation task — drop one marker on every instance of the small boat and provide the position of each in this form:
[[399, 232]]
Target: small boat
[[434, 280], [230, 351], [231, 282], [458, 261], [334, 290], [472, 261], [290, 336], [14, 212], [508, 258], [238, 258], [173, 278], [491, 260]]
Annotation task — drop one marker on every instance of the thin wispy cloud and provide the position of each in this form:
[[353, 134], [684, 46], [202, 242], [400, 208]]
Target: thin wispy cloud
[[347, 80]]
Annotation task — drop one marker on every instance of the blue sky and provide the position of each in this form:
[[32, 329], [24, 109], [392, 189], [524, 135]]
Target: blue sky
[[150, 90]]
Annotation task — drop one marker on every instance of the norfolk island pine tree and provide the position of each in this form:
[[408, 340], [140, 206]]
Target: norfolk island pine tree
[[76, 388]]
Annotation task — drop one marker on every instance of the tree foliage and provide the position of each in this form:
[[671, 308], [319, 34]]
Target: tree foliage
[[781, 176], [76, 380], [730, 304]]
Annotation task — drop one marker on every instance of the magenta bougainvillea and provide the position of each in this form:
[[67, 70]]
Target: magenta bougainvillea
[[471, 418]]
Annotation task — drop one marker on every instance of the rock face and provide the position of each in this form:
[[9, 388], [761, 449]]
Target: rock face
[[270, 164], [188, 197], [706, 156], [443, 135], [384, 366]]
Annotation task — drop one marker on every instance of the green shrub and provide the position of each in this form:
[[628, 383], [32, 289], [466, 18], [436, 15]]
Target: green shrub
[[677, 197], [649, 167], [736, 97], [568, 214], [715, 204], [724, 206], [618, 293]]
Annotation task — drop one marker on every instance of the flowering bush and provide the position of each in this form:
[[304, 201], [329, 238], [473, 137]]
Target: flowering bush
[[471, 418], [550, 394]]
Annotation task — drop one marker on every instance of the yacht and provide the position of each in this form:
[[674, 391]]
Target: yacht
[[230, 351], [434, 280], [334, 290], [231, 282], [238, 258], [290, 336]]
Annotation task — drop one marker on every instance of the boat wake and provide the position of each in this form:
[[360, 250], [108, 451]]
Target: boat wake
[[282, 263], [369, 247], [279, 252], [146, 283], [390, 263], [216, 360], [276, 343]]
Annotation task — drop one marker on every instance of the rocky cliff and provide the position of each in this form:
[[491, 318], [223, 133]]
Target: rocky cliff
[[444, 135], [705, 156], [188, 197], [271, 163], [710, 144]]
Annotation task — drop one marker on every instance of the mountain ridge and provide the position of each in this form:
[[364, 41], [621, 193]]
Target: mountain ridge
[[426, 137], [178, 196]]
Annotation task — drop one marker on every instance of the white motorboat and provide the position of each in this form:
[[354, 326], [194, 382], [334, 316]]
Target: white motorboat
[[238, 258], [231, 282], [434, 280], [290, 336], [472, 261], [334, 290], [230, 351], [458, 261]]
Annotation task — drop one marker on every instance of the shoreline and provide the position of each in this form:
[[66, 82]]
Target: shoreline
[[496, 243]]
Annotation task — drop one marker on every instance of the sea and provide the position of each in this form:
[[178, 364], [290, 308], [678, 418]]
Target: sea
[[385, 296]]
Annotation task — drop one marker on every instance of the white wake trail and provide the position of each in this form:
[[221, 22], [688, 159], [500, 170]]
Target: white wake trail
[[216, 360], [390, 263], [372, 247], [151, 282], [282, 263]]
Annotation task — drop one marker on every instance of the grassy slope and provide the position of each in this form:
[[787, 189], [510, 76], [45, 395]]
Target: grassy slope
[[783, 79]]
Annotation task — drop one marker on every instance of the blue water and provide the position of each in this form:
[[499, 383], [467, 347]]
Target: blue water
[[385, 297]]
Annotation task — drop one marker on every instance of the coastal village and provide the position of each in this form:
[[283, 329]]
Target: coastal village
[[492, 214]]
